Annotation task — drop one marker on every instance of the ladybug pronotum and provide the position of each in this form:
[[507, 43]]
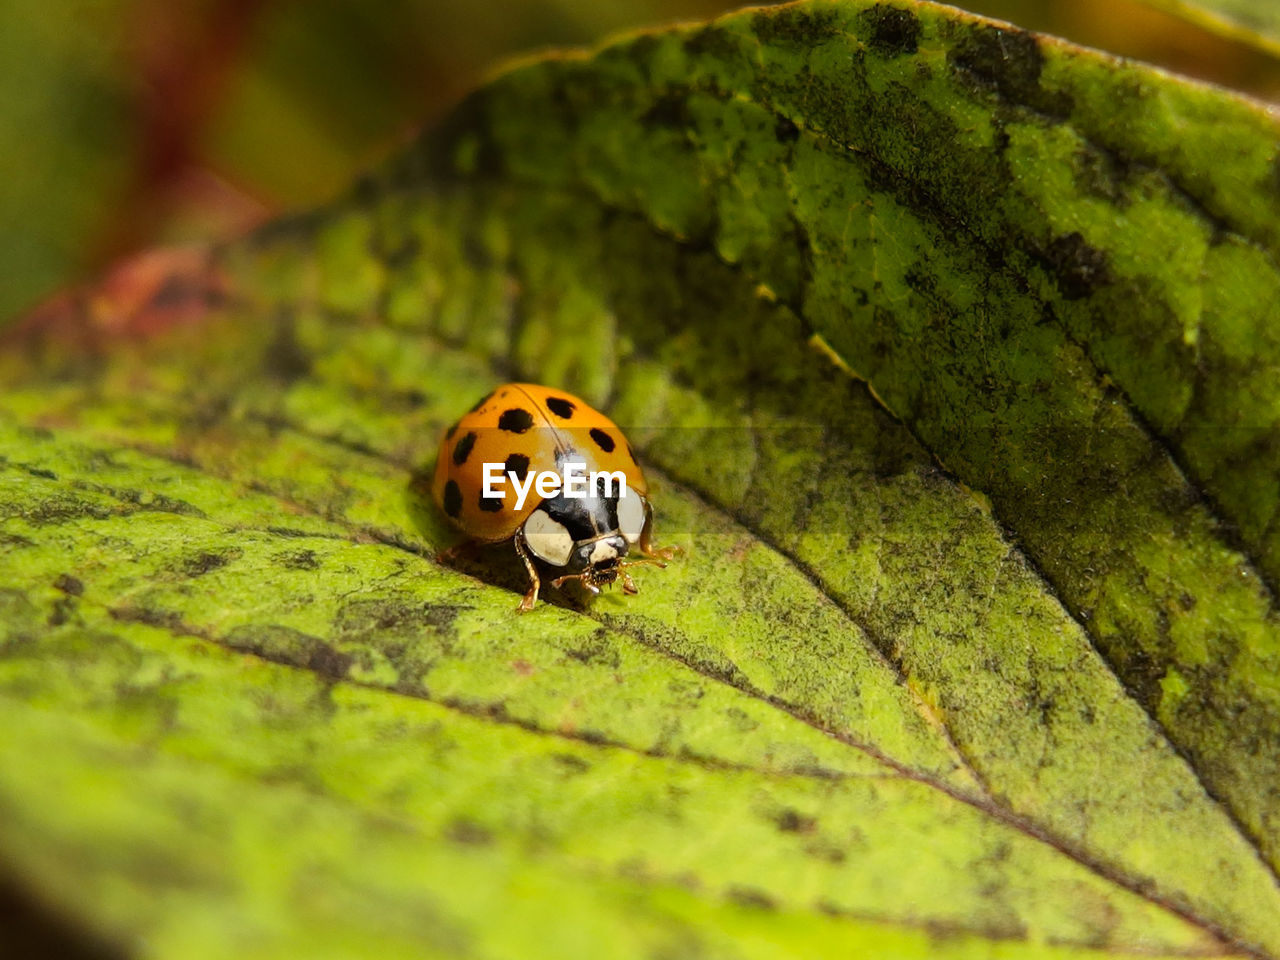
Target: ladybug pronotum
[[522, 431]]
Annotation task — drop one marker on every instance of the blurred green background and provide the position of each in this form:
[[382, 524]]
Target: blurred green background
[[127, 123]]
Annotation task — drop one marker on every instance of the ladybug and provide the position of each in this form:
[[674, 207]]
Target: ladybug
[[491, 480]]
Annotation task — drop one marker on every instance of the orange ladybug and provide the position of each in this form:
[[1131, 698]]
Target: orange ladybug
[[542, 468]]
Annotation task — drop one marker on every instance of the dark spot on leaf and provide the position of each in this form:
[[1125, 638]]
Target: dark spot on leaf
[[404, 253], [462, 449], [167, 619], [892, 31], [379, 619], [791, 821], [1080, 268], [515, 420], [825, 852], [476, 252], [785, 131], [470, 833], [750, 897], [291, 647], [411, 398], [1103, 173], [670, 110], [290, 532], [518, 464], [328, 662], [571, 763], [140, 500], [919, 278], [602, 439], [205, 561], [300, 560], [1142, 674], [62, 507], [1007, 61], [440, 615], [15, 540], [597, 649], [19, 619], [452, 499], [795, 26], [711, 42], [490, 504], [69, 584], [561, 407], [41, 472], [61, 612], [286, 360]]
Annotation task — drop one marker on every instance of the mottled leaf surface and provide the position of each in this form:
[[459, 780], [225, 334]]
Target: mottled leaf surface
[[951, 353]]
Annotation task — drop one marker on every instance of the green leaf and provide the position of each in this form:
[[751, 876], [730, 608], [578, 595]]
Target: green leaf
[[1256, 22], [950, 352]]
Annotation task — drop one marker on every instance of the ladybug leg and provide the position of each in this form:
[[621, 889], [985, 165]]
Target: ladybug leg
[[531, 597], [587, 585], [657, 555], [457, 551]]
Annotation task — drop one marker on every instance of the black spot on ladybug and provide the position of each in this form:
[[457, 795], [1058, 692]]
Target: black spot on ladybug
[[463, 449], [518, 464], [561, 407], [515, 420], [602, 439], [893, 30], [481, 402], [452, 499], [490, 504]]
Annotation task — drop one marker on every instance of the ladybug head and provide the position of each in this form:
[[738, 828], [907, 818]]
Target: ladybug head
[[580, 536]]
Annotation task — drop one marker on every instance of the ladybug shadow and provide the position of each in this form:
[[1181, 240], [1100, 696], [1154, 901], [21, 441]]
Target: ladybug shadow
[[496, 564]]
